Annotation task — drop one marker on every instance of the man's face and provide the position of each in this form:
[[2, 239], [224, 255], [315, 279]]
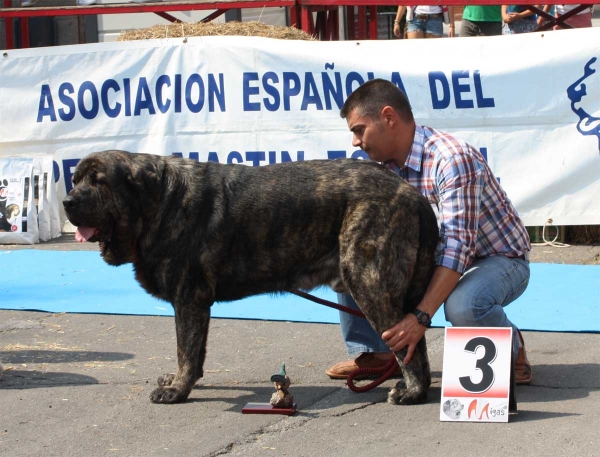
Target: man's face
[[370, 135]]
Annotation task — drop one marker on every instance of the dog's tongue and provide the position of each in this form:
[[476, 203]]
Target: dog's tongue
[[82, 234]]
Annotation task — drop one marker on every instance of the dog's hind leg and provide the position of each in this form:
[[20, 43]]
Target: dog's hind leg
[[412, 389], [378, 278], [191, 325], [382, 314]]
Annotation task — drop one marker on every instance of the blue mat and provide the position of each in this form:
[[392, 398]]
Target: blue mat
[[559, 297]]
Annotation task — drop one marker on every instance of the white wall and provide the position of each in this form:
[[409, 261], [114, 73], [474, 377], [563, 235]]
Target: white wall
[[270, 16], [110, 26]]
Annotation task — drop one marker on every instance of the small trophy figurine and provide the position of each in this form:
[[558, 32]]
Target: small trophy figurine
[[282, 401], [282, 398]]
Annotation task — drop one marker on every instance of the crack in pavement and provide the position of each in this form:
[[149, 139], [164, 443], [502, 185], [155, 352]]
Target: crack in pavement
[[288, 423]]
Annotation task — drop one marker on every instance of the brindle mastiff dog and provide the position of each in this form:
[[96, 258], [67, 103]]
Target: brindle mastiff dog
[[197, 233]]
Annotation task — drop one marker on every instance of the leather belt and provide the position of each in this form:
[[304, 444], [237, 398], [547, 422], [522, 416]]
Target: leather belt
[[522, 256], [424, 17]]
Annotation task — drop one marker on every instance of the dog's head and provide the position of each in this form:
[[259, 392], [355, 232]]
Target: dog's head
[[112, 193]]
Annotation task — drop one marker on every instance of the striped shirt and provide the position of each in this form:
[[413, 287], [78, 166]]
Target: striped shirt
[[477, 219]]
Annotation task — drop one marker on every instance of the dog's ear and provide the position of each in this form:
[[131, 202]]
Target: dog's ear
[[146, 177]]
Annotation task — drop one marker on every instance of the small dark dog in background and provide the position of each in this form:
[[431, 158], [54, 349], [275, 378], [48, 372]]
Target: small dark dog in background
[[198, 232]]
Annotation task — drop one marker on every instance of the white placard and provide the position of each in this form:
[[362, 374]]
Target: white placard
[[476, 374]]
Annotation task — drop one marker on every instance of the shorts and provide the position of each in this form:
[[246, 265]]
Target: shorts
[[471, 28], [520, 26], [433, 26]]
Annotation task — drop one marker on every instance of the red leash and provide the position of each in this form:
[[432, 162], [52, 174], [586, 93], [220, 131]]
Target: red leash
[[386, 371]]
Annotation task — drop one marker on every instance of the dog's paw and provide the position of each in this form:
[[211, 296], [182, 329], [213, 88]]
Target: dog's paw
[[401, 395], [166, 380], [397, 392], [167, 395]]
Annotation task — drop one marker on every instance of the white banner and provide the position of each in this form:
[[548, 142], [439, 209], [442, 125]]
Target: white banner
[[530, 103]]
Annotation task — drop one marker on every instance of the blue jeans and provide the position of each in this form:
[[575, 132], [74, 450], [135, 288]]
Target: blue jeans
[[478, 300]]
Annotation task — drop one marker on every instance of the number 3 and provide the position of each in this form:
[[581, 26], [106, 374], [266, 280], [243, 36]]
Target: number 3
[[482, 364]]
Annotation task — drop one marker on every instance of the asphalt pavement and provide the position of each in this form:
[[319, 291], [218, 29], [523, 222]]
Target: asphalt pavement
[[78, 385]]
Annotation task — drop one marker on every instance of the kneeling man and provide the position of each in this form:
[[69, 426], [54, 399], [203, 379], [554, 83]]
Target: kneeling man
[[482, 261]]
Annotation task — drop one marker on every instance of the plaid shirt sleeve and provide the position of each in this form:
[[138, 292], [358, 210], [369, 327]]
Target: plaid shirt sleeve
[[460, 183]]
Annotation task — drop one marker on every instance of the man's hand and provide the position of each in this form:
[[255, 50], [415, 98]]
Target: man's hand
[[407, 332]]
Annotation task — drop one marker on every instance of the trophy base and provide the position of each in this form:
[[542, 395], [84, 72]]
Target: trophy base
[[267, 408]]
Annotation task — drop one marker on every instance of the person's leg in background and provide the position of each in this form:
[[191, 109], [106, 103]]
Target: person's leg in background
[[362, 340], [415, 29]]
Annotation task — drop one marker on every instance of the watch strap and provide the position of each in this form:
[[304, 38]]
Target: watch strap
[[422, 317]]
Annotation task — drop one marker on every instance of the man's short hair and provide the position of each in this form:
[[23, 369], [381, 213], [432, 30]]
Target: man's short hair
[[370, 98]]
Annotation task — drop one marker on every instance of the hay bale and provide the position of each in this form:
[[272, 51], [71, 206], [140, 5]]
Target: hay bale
[[233, 28]]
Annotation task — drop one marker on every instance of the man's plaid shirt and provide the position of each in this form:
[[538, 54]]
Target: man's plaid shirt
[[476, 217]]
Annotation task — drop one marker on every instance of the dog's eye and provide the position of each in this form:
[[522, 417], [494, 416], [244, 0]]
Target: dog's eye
[[97, 178]]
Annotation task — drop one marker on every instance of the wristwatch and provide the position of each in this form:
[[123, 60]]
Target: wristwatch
[[422, 317]]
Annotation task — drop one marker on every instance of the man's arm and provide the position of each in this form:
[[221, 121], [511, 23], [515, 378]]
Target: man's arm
[[460, 183], [408, 332]]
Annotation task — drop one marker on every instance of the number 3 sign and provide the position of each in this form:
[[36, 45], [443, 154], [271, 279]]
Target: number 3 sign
[[476, 374]]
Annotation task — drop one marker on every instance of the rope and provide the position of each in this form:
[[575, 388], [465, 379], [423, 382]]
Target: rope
[[328, 303], [386, 371], [553, 243]]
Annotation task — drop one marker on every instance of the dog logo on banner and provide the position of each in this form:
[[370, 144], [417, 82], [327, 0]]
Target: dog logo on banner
[[581, 93]]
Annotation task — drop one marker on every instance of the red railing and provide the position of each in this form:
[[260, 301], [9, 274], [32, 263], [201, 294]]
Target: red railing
[[317, 17]]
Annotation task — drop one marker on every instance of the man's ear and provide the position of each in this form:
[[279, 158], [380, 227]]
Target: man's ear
[[389, 116]]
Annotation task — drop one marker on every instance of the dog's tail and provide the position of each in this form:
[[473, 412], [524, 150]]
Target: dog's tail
[[428, 241]]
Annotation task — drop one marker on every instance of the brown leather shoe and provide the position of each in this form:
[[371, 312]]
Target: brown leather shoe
[[366, 360], [523, 374]]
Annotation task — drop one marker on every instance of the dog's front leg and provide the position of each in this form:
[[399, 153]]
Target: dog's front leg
[[191, 323]]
